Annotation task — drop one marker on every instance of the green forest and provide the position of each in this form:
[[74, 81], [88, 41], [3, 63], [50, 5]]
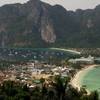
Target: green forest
[[57, 89]]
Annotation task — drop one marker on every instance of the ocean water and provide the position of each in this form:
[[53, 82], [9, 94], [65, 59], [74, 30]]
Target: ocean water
[[91, 79]]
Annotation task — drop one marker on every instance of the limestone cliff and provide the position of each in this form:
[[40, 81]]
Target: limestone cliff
[[38, 24], [47, 29]]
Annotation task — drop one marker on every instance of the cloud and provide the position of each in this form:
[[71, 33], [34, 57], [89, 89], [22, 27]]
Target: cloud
[[75, 4], [2, 2], [68, 4]]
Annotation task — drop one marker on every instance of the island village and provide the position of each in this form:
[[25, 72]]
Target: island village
[[35, 70]]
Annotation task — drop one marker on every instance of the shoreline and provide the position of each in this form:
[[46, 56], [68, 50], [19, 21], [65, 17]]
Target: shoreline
[[75, 81]]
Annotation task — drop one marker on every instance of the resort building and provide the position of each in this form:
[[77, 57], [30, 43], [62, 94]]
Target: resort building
[[82, 60]]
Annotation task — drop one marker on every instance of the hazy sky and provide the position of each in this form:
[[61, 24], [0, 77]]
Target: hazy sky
[[68, 4]]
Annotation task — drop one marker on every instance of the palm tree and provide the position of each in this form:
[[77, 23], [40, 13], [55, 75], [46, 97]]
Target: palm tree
[[72, 93], [51, 95], [94, 96], [44, 91], [60, 85]]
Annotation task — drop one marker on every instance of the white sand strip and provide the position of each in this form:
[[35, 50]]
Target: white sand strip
[[75, 82]]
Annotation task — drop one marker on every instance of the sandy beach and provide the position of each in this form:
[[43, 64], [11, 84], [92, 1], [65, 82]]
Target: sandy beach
[[75, 82]]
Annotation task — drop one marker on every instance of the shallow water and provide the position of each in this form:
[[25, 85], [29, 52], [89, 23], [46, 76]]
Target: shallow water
[[91, 79]]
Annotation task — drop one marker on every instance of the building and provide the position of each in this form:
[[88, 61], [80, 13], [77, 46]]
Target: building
[[83, 60]]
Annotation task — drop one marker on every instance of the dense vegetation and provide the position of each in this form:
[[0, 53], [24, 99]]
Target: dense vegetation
[[58, 89], [76, 29], [20, 25]]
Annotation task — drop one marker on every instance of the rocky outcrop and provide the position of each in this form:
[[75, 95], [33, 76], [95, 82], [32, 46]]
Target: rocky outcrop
[[47, 29], [24, 19], [47, 33], [37, 24], [40, 16]]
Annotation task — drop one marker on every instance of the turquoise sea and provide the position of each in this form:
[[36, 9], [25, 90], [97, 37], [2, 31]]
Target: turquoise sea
[[91, 80]]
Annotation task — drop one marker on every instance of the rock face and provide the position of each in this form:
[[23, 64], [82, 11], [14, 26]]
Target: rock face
[[37, 24], [22, 22], [47, 30], [40, 16]]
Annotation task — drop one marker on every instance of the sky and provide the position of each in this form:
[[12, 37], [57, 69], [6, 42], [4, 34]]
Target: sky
[[68, 4]]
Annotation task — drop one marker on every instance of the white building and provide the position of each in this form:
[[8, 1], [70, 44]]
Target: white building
[[37, 71], [82, 60]]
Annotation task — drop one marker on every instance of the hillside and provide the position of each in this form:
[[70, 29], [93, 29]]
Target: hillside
[[38, 24]]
